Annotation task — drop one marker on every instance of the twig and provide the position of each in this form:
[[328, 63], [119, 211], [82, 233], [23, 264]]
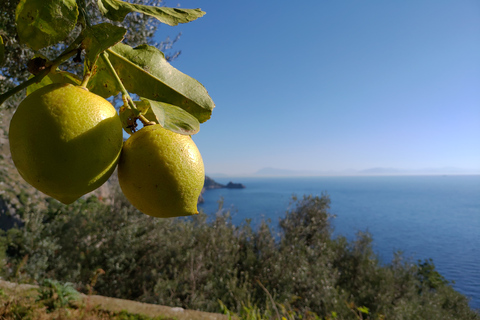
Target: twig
[[271, 299], [69, 52]]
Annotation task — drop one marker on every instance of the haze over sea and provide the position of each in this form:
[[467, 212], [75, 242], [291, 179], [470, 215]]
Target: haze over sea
[[425, 217]]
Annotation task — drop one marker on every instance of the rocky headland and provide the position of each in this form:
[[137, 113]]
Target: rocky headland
[[212, 184]]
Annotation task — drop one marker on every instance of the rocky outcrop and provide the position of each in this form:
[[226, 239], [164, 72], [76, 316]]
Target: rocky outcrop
[[212, 184], [232, 185]]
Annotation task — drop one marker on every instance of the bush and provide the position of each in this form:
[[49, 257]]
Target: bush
[[107, 246]]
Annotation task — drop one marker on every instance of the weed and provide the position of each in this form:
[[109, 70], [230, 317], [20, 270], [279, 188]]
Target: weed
[[54, 295]]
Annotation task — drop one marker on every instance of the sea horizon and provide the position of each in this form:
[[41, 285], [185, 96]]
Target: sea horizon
[[374, 171]]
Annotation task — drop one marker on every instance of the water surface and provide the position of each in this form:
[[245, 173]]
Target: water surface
[[434, 217]]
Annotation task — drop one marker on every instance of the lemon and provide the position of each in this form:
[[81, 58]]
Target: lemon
[[65, 141], [161, 172]]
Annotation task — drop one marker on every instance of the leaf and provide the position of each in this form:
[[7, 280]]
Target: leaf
[[363, 309], [41, 23], [57, 77], [102, 81], [2, 51], [170, 117], [145, 71], [117, 10], [99, 38], [127, 116]]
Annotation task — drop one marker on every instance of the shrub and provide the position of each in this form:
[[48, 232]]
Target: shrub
[[195, 262]]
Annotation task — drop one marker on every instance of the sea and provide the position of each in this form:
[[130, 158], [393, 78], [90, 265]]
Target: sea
[[424, 217]]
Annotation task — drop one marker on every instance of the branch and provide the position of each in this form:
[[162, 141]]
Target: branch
[[69, 52]]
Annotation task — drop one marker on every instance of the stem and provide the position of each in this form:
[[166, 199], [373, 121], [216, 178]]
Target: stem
[[23, 85], [82, 8], [145, 121], [126, 97], [69, 52], [37, 78], [271, 299], [124, 91], [83, 11], [61, 58], [86, 77]]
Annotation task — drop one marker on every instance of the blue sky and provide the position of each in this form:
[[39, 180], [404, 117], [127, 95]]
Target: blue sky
[[327, 85]]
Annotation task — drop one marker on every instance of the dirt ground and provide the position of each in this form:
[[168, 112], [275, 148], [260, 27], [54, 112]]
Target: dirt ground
[[118, 305]]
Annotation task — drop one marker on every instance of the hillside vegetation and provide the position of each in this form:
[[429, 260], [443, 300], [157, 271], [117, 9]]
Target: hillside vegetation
[[102, 245]]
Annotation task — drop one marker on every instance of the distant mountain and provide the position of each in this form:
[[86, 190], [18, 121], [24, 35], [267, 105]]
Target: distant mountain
[[285, 172], [275, 172], [449, 170], [216, 175], [423, 171], [380, 170]]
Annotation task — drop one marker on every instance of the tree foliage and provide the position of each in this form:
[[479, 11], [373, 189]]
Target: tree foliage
[[80, 56], [141, 29]]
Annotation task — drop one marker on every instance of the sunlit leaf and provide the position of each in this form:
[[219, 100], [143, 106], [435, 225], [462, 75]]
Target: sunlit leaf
[[58, 77], [170, 117], [41, 23], [363, 310], [102, 81], [2, 51], [145, 71], [117, 10], [100, 37]]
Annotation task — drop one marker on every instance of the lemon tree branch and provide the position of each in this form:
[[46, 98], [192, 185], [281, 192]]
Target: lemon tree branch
[[39, 76]]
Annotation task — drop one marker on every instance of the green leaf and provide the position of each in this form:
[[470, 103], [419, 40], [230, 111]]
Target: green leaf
[[58, 77], [2, 51], [170, 117], [41, 23], [99, 38], [117, 10], [364, 310], [145, 72], [102, 81]]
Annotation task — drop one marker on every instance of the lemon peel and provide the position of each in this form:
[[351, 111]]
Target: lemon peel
[[161, 172], [65, 141]]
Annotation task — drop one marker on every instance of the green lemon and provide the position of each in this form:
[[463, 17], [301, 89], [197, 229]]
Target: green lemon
[[65, 141], [161, 172]]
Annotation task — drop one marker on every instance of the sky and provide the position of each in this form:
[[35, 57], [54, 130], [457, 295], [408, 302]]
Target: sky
[[329, 86]]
